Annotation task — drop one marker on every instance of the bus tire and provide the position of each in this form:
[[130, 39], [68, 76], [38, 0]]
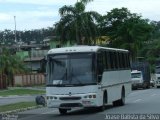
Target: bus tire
[[62, 111], [121, 101], [105, 100]]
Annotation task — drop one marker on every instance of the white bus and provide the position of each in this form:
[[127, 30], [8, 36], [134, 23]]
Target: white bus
[[87, 76]]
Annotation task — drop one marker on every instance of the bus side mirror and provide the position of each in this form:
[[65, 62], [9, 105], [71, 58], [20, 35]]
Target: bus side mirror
[[99, 78]]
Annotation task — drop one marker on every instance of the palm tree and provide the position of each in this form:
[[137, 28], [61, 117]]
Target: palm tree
[[10, 65], [76, 24]]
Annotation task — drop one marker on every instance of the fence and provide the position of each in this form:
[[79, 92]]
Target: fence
[[3, 81], [29, 79]]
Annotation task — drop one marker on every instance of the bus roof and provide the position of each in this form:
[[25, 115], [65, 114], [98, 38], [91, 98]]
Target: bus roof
[[83, 48]]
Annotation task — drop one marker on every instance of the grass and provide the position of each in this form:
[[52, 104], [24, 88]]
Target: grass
[[15, 106], [20, 92], [39, 86]]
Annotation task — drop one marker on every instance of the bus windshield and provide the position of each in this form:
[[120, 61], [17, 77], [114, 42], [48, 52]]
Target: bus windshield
[[71, 69]]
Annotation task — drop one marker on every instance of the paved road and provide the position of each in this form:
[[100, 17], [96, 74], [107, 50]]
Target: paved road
[[16, 99], [138, 102]]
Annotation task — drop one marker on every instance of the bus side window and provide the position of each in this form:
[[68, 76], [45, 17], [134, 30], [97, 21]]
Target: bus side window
[[120, 60], [128, 61], [108, 61], [126, 64], [104, 60], [116, 60], [111, 62], [123, 60], [100, 65]]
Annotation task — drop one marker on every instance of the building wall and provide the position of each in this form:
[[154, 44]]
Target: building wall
[[34, 65], [29, 79], [22, 54]]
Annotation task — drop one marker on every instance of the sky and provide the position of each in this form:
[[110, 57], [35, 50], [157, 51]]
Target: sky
[[37, 14]]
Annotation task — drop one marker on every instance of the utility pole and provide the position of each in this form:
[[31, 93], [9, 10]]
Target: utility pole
[[15, 29]]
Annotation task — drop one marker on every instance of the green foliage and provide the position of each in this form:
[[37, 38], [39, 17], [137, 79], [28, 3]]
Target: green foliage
[[76, 25], [10, 64], [126, 30], [156, 30], [19, 91], [15, 106], [7, 37]]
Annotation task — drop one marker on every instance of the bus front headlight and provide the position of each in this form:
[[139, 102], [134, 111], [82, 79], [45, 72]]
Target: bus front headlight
[[91, 96], [52, 98]]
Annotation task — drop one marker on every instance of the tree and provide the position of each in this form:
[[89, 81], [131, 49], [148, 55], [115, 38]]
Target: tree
[[156, 29], [126, 30], [76, 24], [10, 65], [7, 37]]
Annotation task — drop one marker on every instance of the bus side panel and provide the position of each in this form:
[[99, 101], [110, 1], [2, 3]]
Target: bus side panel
[[110, 80], [125, 76], [113, 81]]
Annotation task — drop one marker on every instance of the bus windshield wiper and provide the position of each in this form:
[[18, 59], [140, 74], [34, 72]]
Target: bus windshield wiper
[[71, 85]]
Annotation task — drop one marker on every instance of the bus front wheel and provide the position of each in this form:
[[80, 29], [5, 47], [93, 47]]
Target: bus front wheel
[[62, 111]]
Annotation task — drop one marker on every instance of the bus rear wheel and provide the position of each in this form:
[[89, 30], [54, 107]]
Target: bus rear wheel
[[121, 101], [62, 111]]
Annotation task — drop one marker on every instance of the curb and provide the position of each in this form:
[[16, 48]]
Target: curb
[[21, 110], [20, 96], [10, 97]]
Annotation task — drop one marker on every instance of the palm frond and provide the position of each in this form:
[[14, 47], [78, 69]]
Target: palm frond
[[65, 10], [86, 1]]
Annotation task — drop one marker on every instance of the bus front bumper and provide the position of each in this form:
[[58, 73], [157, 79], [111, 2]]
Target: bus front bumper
[[67, 102]]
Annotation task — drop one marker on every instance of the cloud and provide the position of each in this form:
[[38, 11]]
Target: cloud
[[38, 13], [147, 8], [40, 2], [35, 25], [29, 19], [30, 16], [4, 17]]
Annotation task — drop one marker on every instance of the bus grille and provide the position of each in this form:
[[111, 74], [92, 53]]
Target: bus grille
[[70, 98], [71, 105]]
